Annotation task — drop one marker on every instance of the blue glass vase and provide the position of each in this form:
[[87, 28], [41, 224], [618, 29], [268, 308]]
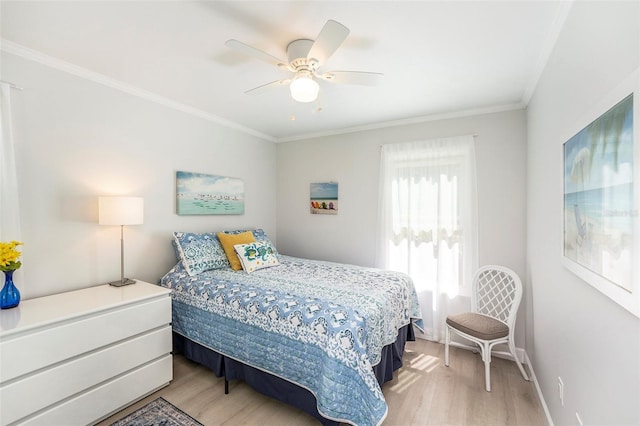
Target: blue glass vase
[[9, 296]]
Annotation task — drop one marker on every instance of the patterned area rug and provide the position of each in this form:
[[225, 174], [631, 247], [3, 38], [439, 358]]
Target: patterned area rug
[[158, 413]]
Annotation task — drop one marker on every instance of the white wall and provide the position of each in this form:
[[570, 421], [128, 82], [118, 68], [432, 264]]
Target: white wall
[[76, 140], [577, 333], [353, 160]]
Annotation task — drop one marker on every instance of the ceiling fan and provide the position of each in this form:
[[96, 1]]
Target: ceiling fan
[[304, 59]]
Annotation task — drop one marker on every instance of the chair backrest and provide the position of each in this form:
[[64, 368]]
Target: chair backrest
[[497, 292]]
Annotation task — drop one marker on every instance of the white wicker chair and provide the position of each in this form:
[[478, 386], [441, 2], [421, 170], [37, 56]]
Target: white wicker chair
[[495, 298]]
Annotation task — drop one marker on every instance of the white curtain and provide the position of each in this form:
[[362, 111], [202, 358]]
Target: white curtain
[[9, 211], [428, 223]]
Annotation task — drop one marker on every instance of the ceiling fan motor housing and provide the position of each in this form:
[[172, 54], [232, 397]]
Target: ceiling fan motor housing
[[297, 52]]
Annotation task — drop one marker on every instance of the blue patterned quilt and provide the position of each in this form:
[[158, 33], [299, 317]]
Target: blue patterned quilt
[[320, 325]]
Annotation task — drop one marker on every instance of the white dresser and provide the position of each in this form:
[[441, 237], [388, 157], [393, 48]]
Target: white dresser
[[74, 358]]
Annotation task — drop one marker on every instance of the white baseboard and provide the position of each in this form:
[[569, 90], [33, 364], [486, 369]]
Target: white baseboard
[[524, 358], [532, 377]]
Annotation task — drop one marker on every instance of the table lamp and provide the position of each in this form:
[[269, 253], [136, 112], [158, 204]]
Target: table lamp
[[120, 211]]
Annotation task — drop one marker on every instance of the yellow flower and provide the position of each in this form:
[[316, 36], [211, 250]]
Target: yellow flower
[[9, 256]]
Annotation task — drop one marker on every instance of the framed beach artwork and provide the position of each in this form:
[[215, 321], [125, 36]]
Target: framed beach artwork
[[600, 241], [198, 194], [324, 198]]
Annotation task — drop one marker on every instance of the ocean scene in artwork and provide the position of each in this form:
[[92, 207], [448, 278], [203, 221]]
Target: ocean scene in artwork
[[599, 211], [324, 198], [198, 193]]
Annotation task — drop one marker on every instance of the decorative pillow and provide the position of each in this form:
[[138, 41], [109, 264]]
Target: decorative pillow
[[254, 256], [230, 240], [176, 249], [199, 252], [258, 234]]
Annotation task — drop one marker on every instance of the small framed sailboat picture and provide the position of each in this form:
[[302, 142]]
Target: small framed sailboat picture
[[203, 194]]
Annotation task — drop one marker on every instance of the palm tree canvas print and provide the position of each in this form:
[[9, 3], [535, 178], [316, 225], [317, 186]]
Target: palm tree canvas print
[[599, 210]]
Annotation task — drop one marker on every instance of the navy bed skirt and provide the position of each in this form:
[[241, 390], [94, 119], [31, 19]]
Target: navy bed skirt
[[277, 387]]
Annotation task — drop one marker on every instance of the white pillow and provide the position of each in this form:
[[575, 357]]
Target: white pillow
[[256, 255]]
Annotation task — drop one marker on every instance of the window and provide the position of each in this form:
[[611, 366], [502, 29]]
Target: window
[[428, 222]]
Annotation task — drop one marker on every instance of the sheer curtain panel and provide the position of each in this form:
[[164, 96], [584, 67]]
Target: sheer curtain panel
[[9, 212], [428, 223]]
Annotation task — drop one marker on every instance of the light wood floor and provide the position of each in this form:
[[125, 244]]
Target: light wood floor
[[423, 392]]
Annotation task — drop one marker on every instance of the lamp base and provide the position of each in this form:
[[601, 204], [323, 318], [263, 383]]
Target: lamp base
[[120, 283]]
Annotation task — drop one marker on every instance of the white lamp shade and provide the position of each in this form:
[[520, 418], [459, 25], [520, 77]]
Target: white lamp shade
[[304, 89], [120, 210]]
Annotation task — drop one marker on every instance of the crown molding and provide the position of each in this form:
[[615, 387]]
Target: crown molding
[[50, 61], [407, 121], [550, 43], [33, 55]]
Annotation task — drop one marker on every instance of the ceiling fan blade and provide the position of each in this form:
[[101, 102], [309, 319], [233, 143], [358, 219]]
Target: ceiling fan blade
[[330, 38], [266, 87], [352, 77], [256, 53]]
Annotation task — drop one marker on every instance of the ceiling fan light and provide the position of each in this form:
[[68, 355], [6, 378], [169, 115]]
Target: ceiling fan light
[[304, 89]]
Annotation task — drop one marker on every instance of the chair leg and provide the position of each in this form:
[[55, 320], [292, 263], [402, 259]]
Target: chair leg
[[512, 349], [447, 337], [486, 357]]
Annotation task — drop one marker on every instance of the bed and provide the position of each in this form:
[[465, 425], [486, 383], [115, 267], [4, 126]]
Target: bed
[[321, 336]]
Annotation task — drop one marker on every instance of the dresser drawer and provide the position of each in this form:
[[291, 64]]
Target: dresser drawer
[[34, 392], [37, 349], [107, 398]]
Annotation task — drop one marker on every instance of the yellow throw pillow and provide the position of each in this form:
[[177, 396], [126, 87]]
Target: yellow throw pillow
[[229, 240]]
